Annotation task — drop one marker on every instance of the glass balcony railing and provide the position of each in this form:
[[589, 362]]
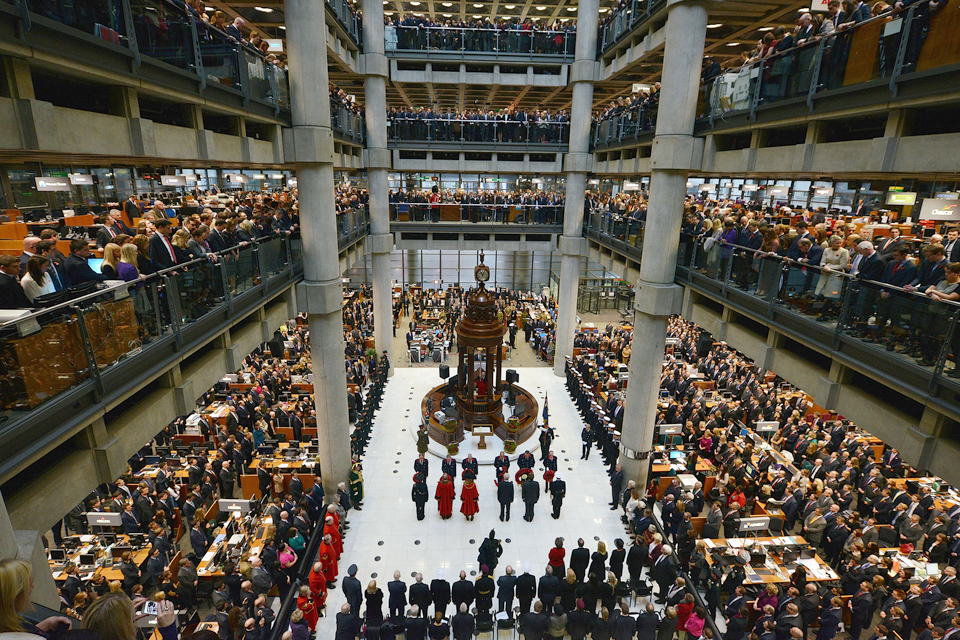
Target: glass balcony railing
[[348, 124], [626, 18], [882, 49], [423, 129], [623, 127], [349, 18], [352, 224], [628, 231], [454, 212], [492, 40], [166, 31]]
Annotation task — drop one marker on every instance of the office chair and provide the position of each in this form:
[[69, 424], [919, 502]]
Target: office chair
[[776, 525], [176, 443]]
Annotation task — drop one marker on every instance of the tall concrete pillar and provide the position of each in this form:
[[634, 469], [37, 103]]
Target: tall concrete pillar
[[578, 163], [321, 292], [28, 545], [377, 163], [657, 294]]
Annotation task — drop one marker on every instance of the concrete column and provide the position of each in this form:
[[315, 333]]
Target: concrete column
[[657, 295], [321, 293], [578, 162], [377, 163], [27, 545], [18, 79]]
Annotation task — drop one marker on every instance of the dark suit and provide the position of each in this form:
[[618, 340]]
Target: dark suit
[[160, 253], [11, 294], [77, 271]]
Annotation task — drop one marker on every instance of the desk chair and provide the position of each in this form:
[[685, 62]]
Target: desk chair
[[176, 443], [776, 526], [484, 626]]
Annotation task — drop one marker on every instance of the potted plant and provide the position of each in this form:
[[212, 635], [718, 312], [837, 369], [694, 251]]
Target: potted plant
[[510, 446], [453, 448], [371, 353]]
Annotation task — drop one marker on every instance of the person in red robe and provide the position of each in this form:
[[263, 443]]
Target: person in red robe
[[445, 495], [332, 513], [306, 604], [470, 498], [318, 585], [330, 529], [328, 560]]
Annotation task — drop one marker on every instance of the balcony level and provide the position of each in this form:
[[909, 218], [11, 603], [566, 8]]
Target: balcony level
[[467, 44], [445, 232], [911, 406]]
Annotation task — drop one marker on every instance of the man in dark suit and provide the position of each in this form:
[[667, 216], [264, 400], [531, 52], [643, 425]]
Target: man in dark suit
[[579, 559], [112, 227], [215, 239], [75, 267], [830, 620], [861, 610], [951, 245], [871, 266], [11, 293], [131, 208], [29, 251], [160, 249], [530, 492]]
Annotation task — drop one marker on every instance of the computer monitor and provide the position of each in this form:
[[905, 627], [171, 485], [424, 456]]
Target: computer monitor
[[671, 429], [151, 460], [88, 559], [108, 539], [757, 523], [264, 450], [676, 455], [758, 559], [58, 555], [118, 550], [808, 553], [103, 519], [789, 557], [96, 264], [271, 443], [234, 506]]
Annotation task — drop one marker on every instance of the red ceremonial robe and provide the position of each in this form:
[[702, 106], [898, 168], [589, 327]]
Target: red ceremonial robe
[[445, 495], [310, 615], [335, 539], [470, 498], [318, 587], [328, 561]]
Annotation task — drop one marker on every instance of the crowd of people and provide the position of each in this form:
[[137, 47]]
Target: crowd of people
[[537, 207], [506, 35], [131, 254], [845, 501], [511, 124], [627, 115]]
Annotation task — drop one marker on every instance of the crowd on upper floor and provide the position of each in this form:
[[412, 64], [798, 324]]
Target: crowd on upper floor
[[507, 35], [637, 112], [539, 207], [512, 124]]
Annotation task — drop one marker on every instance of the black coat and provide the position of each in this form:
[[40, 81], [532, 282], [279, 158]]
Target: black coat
[[462, 591], [505, 492], [530, 491]]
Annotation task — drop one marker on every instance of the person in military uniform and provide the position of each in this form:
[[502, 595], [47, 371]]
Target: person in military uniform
[[558, 490], [422, 466], [502, 464], [420, 495], [449, 467], [423, 440], [471, 464], [356, 486]]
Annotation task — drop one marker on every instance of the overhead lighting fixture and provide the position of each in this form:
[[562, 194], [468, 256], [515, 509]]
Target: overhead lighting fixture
[[448, 15], [283, 27], [766, 29], [509, 6], [477, 16], [714, 26], [447, 4], [478, 6], [388, 13], [733, 44], [603, 10], [415, 4], [571, 8], [264, 9], [540, 8], [209, 9]]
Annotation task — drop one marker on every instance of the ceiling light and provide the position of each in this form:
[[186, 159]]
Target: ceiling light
[[540, 8], [415, 4], [571, 8], [448, 15], [478, 6], [447, 4], [283, 27], [209, 9], [714, 26], [509, 6], [477, 16], [766, 29], [603, 10], [264, 9], [388, 13], [733, 44]]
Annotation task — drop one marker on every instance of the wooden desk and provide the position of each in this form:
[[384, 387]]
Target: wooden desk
[[205, 570], [109, 573], [780, 574]]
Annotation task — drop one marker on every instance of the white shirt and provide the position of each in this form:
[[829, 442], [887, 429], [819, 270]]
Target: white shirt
[[32, 289]]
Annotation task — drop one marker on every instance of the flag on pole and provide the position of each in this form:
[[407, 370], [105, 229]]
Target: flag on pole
[[546, 413]]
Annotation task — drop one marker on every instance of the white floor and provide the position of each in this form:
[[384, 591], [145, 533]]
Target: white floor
[[386, 536]]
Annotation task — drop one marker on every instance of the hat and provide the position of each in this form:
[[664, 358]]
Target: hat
[[580, 604], [484, 569], [352, 570]]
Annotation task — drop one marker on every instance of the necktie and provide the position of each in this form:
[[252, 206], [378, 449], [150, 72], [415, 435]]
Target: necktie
[[113, 233], [897, 268], [166, 241], [55, 277]]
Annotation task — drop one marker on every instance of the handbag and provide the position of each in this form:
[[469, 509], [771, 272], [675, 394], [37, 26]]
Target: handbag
[[709, 243], [906, 548]]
